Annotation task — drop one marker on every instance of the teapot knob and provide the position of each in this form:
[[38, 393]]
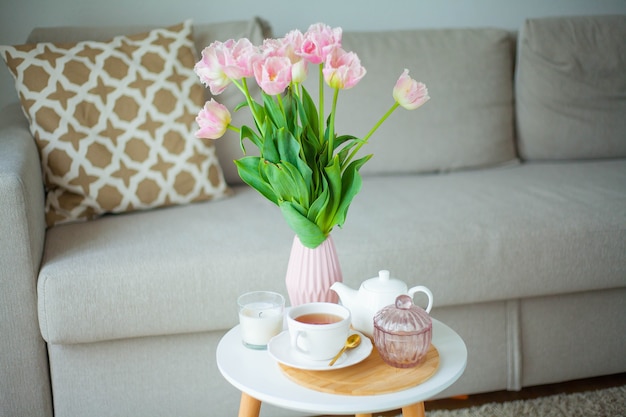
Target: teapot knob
[[383, 275]]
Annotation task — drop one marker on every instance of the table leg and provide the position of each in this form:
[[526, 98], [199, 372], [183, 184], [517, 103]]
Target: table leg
[[249, 406], [363, 415], [415, 410]]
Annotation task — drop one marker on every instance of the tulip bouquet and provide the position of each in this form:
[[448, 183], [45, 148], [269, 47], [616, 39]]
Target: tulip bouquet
[[309, 171]]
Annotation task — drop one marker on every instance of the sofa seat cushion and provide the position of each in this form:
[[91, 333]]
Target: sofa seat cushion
[[164, 271], [571, 88], [478, 236], [488, 235]]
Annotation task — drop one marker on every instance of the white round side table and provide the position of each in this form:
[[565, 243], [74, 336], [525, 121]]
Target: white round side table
[[259, 378]]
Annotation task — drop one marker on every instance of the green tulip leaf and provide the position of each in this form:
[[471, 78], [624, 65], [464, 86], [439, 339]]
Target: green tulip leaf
[[280, 179], [288, 147], [308, 232], [308, 113], [333, 176], [301, 185], [350, 186], [319, 205], [249, 171], [289, 150], [269, 149], [247, 133], [274, 111]]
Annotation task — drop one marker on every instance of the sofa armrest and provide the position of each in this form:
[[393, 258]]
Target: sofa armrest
[[24, 381], [22, 217]]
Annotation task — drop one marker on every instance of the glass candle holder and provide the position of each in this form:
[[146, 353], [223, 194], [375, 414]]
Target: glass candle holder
[[260, 317]]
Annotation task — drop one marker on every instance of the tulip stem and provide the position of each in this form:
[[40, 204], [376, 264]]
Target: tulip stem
[[320, 116], [331, 128], [243, 86], [279, 98], [369, 134]]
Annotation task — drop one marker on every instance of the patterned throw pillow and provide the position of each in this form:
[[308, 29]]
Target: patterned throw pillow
[[114, 123]]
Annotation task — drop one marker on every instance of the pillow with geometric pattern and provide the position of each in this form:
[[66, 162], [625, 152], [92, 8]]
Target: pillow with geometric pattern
[[114, 123]]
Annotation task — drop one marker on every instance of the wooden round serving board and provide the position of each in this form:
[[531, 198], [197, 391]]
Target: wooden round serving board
[[370, 377]]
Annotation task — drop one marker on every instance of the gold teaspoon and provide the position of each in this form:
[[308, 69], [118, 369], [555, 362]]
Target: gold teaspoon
[[351, 342]]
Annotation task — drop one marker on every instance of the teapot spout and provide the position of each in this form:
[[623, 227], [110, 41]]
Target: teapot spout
[[347, 295]]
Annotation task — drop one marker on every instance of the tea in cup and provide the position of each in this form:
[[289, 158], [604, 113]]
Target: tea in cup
[[260, 317], [318, 330]]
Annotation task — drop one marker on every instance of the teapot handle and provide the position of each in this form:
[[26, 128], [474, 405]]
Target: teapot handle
[[421, 288]]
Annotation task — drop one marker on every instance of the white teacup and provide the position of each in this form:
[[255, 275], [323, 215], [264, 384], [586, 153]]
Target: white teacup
[[318, 330]]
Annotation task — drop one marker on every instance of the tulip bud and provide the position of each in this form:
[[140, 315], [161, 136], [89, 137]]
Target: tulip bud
[[409, 93], [213, 120]]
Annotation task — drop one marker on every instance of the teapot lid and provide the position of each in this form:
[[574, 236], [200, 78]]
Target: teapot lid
[[403, 317], [384, 284]]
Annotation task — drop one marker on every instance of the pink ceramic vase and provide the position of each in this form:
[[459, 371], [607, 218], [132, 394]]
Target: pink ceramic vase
[[311, 272]]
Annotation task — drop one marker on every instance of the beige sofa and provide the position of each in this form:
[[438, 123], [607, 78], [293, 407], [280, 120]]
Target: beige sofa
[[505, 195]]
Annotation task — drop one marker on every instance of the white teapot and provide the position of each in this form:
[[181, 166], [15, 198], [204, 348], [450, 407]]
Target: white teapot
[[374, 294]]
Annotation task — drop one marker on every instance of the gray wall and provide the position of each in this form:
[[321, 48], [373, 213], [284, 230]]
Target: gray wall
[[19, 17]]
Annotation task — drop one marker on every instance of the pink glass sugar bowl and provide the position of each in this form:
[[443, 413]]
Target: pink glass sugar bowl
[[402, 333]]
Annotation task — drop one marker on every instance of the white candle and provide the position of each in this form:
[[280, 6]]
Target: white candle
[[259, 322]]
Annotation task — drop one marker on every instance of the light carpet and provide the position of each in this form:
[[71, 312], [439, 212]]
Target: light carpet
[[609, 402]]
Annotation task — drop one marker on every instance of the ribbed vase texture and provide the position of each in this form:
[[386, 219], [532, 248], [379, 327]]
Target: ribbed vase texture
[[311, 272]]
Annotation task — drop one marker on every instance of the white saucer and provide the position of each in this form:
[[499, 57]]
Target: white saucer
[[280, 349]]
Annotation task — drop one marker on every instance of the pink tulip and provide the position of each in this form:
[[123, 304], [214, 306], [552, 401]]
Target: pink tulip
[[299, 71], [273, 74], [213, 120], [223, 62], [409, 93], [210, 68], [318, 42], [287, 47], [294, 38], [292, 43], [272, 47], [239, 58], [343, 69]]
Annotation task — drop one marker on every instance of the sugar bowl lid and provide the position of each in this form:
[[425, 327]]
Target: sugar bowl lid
[[403, 318]]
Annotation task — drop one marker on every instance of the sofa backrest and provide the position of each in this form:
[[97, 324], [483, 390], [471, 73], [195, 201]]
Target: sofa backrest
[[571, 88], [467, 123], [568, 99]]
